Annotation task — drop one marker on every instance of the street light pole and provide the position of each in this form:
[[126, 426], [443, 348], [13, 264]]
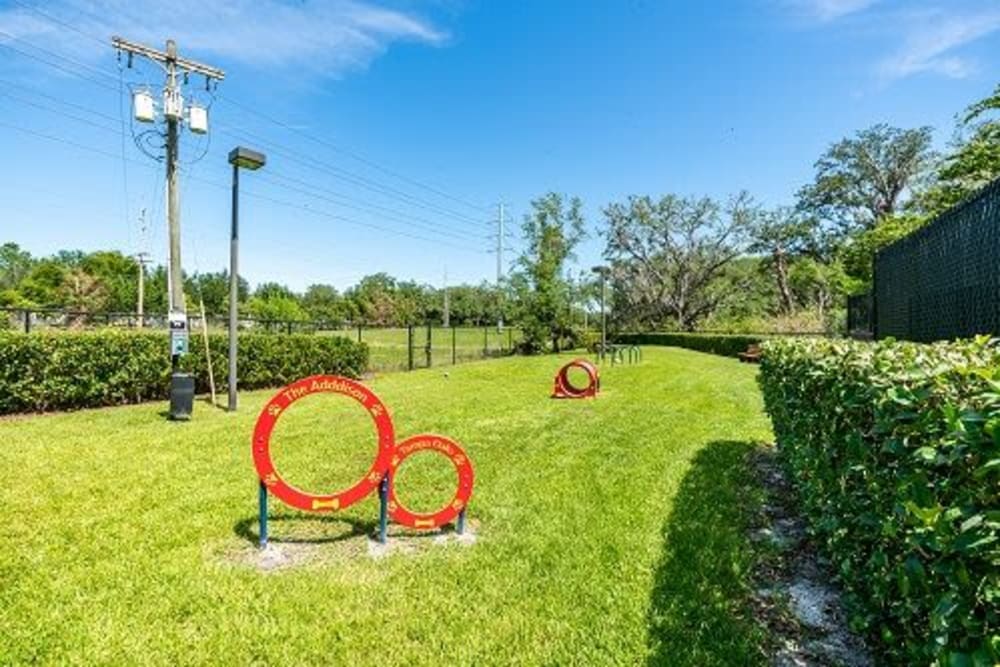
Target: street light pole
[[244, 158], [602, 271]]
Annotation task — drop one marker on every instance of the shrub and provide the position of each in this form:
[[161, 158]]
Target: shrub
[[727, 345], [69, 370], [895, 450]]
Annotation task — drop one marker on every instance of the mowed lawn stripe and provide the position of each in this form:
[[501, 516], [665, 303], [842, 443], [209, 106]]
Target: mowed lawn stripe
[[128, 539]]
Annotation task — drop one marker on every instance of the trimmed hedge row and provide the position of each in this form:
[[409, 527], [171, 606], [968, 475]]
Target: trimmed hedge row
[[70, 370], [727, 345], [895, 452]]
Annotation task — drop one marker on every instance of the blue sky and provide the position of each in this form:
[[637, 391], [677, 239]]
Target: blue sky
[[401, 124]]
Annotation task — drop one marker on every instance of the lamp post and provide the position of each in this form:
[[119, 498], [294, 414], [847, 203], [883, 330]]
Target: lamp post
[[602, 271], [240, 158]]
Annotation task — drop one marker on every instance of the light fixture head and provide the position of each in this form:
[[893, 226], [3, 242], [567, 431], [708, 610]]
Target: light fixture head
[[246, 158]]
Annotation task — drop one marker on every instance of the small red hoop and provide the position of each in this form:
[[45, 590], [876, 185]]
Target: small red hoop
[[449, 448], [563, 388]]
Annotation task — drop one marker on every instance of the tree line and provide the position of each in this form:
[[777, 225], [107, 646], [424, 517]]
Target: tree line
[[672, 261]]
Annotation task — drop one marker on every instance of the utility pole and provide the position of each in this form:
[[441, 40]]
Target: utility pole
[[141, 259], [500, 233], [447, 301], [173, 113]]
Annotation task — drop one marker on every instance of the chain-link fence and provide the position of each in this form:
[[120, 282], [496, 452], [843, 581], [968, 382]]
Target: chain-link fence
[[390, 348], [943, 281]]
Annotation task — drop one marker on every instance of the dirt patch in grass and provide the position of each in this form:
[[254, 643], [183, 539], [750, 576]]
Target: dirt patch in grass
[[795, 597], [323, 541]]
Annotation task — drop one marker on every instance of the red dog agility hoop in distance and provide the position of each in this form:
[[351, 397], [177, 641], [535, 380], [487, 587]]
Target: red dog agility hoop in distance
[[563, 388], [329, 384], [449, 448]]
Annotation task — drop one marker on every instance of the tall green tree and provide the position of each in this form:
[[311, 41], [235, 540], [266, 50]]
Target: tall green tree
[[782, 235], [974, 161], [551, 231], [862, 179], [667, 255]]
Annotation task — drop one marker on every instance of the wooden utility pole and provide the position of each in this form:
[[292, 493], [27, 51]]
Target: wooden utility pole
[[141, 259], [173, 113]]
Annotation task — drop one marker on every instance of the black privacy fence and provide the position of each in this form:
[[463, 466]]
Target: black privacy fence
[[940, 282]]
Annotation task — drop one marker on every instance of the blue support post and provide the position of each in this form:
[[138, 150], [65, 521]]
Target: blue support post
[[262, 509], [460, 525], [383, 510]]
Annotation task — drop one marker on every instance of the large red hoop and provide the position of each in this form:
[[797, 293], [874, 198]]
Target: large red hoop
[[458, 458], [563, 388], [330, 384]]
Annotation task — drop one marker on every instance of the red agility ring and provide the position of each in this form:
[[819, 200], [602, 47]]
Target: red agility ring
[[463, 467], [330, 384], [564, 388]]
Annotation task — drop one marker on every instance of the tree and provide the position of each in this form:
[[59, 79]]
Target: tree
[[551, 231], [862, 179], [667, 254], [858, 253], [213, 289], [324, 303], [14, 265], [118, 276], [974, 162], [782, 234]]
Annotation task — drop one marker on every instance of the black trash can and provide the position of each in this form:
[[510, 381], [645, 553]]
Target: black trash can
[[181, 396]]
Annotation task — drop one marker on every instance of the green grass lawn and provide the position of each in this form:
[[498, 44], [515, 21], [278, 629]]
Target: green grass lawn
[[607, 532]]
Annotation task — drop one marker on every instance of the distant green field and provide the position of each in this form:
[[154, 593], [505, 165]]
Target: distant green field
[[389, 347], [608, 531]]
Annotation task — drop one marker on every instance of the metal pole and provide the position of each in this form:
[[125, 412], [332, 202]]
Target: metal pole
[[234, 285], [409, 346], [27, 321], [383, 509], [428, 348], [486, 340], [500, 221], [359, 333], [454, 356], [604, 317], [460, 526], [262, 514]]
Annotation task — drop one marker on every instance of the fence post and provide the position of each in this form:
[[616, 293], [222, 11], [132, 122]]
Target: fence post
[[428, 349], [359, 333], [486, 341], [454, 358], [27, 321], [409, 346], [288, 327], [510, 341]]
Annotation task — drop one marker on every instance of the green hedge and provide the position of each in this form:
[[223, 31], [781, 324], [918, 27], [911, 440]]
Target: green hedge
[[727, 345], [895, 450], [69, 370]]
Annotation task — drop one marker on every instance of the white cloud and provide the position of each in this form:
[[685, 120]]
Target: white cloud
[[931, 40], [828, 10], [324, 37]]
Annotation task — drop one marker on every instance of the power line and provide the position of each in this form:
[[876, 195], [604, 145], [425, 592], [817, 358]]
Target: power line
[[366, 183], [355, 156], [330, 145], [362, 181], [312, 211]]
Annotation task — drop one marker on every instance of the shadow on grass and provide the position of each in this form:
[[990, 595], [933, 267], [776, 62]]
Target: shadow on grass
[[305, 528], [699, 611], [324, 529]]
